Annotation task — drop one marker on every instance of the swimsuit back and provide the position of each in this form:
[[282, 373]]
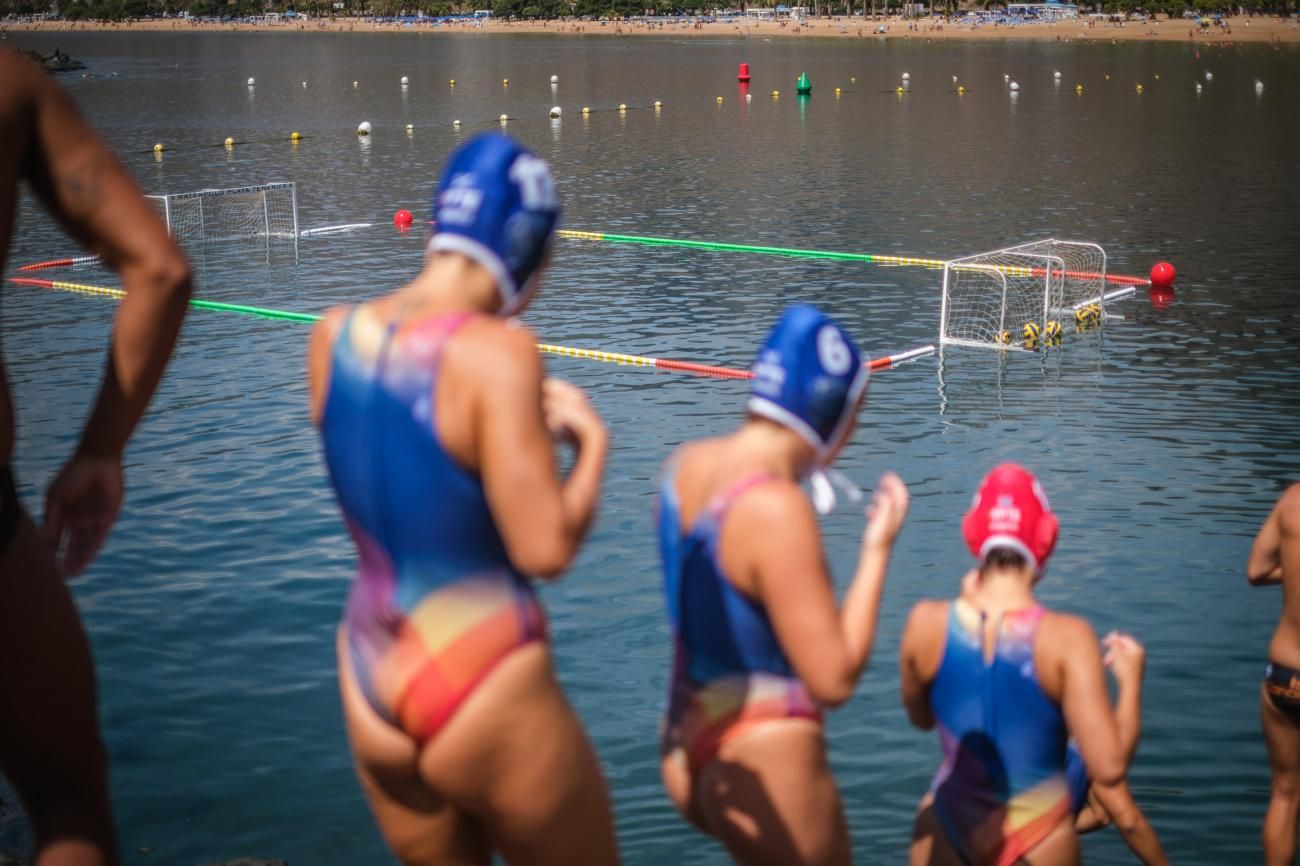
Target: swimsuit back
[[721, 631], [436, 601], [1002, 787], [730, 672]]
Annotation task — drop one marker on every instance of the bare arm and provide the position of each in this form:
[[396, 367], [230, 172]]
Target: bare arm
[[1126, 659], [1138, 834], [827, 647], [1084, 700], [924, 626], [1265, 564], [98, 203], [542, 519]]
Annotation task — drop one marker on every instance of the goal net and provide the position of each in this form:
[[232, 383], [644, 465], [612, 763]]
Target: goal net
[[1010, 297], [249, 213]]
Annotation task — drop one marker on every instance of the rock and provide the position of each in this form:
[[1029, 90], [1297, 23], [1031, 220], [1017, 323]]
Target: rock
[[56, 62]]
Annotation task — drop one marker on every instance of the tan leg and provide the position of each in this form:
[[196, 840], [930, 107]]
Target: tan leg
[[516, 756], [512, 772], [50, 746], [1283, 741], [932, 847], [419, 826], [770, 798], [679, 784]]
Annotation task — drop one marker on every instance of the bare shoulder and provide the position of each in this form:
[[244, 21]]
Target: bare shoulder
[[487, 345], [1066, 635], [1288, 506], [778, 502], [927, 617]]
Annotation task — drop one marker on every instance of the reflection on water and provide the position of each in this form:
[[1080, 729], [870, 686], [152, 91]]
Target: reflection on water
[[1162, 438]]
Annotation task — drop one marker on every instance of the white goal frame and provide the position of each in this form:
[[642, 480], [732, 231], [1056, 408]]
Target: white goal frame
[[267, 212], [1035, 282]]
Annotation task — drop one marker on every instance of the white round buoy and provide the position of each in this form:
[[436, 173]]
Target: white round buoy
[[304, 85], [906, 76], [363, 128], [354, 84], [410, 127], [954, 79], [405, 80], [1259, 86], [555, 111], [658, 104], [252, 81], [555, 79], [1056, 74], [1209, 76], [748, 97], [456, 123], [1006, 77], [504, 118], [1198, 87], [1015, 86]]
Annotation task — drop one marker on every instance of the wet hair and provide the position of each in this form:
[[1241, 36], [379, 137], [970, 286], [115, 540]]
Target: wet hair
[[1003, 558]]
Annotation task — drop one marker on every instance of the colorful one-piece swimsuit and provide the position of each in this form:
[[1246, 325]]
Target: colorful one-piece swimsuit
[[729, 672], [1002, 788], [436, 603]]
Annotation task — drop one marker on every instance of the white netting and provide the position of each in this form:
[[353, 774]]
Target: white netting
[[251, 213], [991, 299]]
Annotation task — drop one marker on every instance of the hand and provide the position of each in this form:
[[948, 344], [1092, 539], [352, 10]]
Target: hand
[[568, 413], [80, 508], [1125, 657], [886, 512]]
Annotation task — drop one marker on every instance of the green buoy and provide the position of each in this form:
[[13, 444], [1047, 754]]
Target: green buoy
[[804, 87]]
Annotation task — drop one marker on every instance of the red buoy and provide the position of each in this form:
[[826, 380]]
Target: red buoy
[[743, 75], [1162, 276], [402, 218]]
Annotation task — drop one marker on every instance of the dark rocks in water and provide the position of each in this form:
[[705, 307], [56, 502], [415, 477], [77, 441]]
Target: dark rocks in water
[[56, 62]]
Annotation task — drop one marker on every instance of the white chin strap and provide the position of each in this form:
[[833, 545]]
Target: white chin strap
[[823, 482]]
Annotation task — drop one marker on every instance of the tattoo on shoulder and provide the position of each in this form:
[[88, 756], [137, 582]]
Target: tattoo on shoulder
[[82, 187]]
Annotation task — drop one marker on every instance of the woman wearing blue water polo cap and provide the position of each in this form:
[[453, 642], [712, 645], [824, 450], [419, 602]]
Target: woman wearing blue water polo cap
[[761, 645], [437, 426]]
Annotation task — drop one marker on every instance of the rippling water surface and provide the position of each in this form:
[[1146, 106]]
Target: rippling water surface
[[1162, 439]]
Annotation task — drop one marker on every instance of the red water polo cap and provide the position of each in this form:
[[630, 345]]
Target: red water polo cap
[[1011, 511]]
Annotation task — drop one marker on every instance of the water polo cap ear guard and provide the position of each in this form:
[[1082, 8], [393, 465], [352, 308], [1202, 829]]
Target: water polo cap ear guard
[[496, 204]]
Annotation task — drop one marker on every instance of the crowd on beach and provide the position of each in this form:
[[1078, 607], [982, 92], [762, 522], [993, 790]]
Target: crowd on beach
[[982, 25], [439, 431]]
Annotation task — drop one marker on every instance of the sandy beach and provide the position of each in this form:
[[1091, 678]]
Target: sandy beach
[[1240, 29]]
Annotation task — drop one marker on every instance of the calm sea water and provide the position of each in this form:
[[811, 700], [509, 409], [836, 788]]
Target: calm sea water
[[1162, 439]]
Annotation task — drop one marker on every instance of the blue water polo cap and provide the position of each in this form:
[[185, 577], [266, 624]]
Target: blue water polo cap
[[496, 204], [808, 376]]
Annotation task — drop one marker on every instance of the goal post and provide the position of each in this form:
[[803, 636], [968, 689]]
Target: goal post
[[1012, 296], [268, 213]]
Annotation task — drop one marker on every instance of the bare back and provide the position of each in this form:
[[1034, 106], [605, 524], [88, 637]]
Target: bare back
[[1275, 558]]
